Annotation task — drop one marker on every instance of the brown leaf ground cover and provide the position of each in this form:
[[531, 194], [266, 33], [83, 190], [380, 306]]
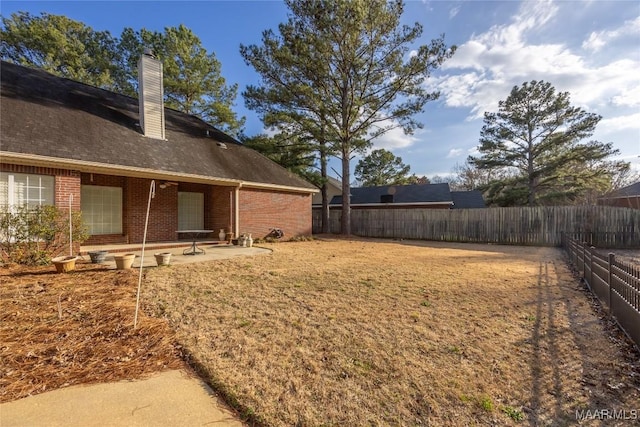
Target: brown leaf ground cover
[[366, 332], [58, 330]]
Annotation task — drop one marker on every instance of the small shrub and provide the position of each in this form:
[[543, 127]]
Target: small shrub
[[35, 235], [513, 413], [486, 403]]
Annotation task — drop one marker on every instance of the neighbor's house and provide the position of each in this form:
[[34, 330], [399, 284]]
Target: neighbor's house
[[626, 197], [414, 196], [334, 188], [66, 142]]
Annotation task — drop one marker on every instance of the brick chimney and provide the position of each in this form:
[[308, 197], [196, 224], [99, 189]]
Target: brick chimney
[[150, 95]]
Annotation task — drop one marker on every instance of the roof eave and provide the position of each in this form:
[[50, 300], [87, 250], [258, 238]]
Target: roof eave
[[135, 172]]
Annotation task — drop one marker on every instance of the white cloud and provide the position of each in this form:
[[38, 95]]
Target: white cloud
[[454, 152], [631, 121], [598, 39], [486, 67], [393, 139], [630, 98], [454, 11]]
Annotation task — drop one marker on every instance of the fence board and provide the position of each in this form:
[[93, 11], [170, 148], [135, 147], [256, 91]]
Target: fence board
[[615, 283], [602, 226]]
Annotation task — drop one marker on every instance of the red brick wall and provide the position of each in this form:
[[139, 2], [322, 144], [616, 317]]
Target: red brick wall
[[66, 184], [221, 202], [163, 214], [632, 202], [261, 210]]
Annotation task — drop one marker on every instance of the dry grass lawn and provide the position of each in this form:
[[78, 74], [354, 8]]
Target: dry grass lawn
[[365, 332]]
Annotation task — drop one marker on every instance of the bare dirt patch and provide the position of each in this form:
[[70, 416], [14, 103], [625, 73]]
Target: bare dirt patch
[[365, 332], [58, 330]]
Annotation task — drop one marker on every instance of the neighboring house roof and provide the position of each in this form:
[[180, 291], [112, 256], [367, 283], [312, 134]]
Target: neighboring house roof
[[632, 190], [467, 199], [334, 182], [414, 194], [56, 122]]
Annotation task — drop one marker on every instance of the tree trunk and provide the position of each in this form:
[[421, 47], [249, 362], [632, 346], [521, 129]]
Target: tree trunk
[[346, 196], [325, 201]]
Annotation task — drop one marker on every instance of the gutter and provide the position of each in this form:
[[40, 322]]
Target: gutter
[[136, 172]]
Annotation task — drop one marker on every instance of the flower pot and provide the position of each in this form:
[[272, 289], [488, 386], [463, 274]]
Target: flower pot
[[64, 264], [97, 256], [125, 261], [163, 258]]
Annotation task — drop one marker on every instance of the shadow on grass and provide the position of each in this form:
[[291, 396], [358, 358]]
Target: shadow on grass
[[246, 414], [550, 365]]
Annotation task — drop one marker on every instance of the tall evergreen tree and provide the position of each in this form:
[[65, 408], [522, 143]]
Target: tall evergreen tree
[[61, 46], [345, 66], [535, 143], [382, 167]]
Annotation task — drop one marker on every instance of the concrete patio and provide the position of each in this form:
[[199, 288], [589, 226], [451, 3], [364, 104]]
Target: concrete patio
[[213, 251]]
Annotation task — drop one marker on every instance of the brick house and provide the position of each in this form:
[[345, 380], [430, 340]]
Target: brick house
[[626, 197], [62, 141]]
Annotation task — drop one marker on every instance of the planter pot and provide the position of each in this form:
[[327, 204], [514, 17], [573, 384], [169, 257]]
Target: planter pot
[[163, 258], [125, 261], [97, 256], [64, 264]]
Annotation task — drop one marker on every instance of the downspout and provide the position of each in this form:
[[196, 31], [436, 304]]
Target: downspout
[[236, 209]]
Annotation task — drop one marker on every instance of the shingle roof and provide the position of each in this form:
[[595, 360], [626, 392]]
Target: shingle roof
[[467, 199], [632, 190], [402, 194], [45, 115]]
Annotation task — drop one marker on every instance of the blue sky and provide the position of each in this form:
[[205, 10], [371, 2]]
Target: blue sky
[[589, 48]]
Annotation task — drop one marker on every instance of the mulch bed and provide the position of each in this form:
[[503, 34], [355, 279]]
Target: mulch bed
[[58, 330]]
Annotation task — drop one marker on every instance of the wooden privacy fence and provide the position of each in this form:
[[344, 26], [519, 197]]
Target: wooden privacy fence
[[541, 226], [615, 283]]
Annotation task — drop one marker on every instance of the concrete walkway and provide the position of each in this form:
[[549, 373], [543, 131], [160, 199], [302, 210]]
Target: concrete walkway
[[170, 398]]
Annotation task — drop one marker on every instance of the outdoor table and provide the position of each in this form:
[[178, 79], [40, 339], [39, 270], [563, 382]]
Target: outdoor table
[[194, 250]]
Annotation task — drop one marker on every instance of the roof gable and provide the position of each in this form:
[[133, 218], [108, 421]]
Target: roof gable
[[52, 117]]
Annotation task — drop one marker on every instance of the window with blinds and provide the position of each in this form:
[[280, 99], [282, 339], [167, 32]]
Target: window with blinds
[[19, 189], [190, 211]]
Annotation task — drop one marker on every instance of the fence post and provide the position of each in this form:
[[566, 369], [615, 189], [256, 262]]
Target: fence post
[[591, 251], [612, 258], [584, 262]]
